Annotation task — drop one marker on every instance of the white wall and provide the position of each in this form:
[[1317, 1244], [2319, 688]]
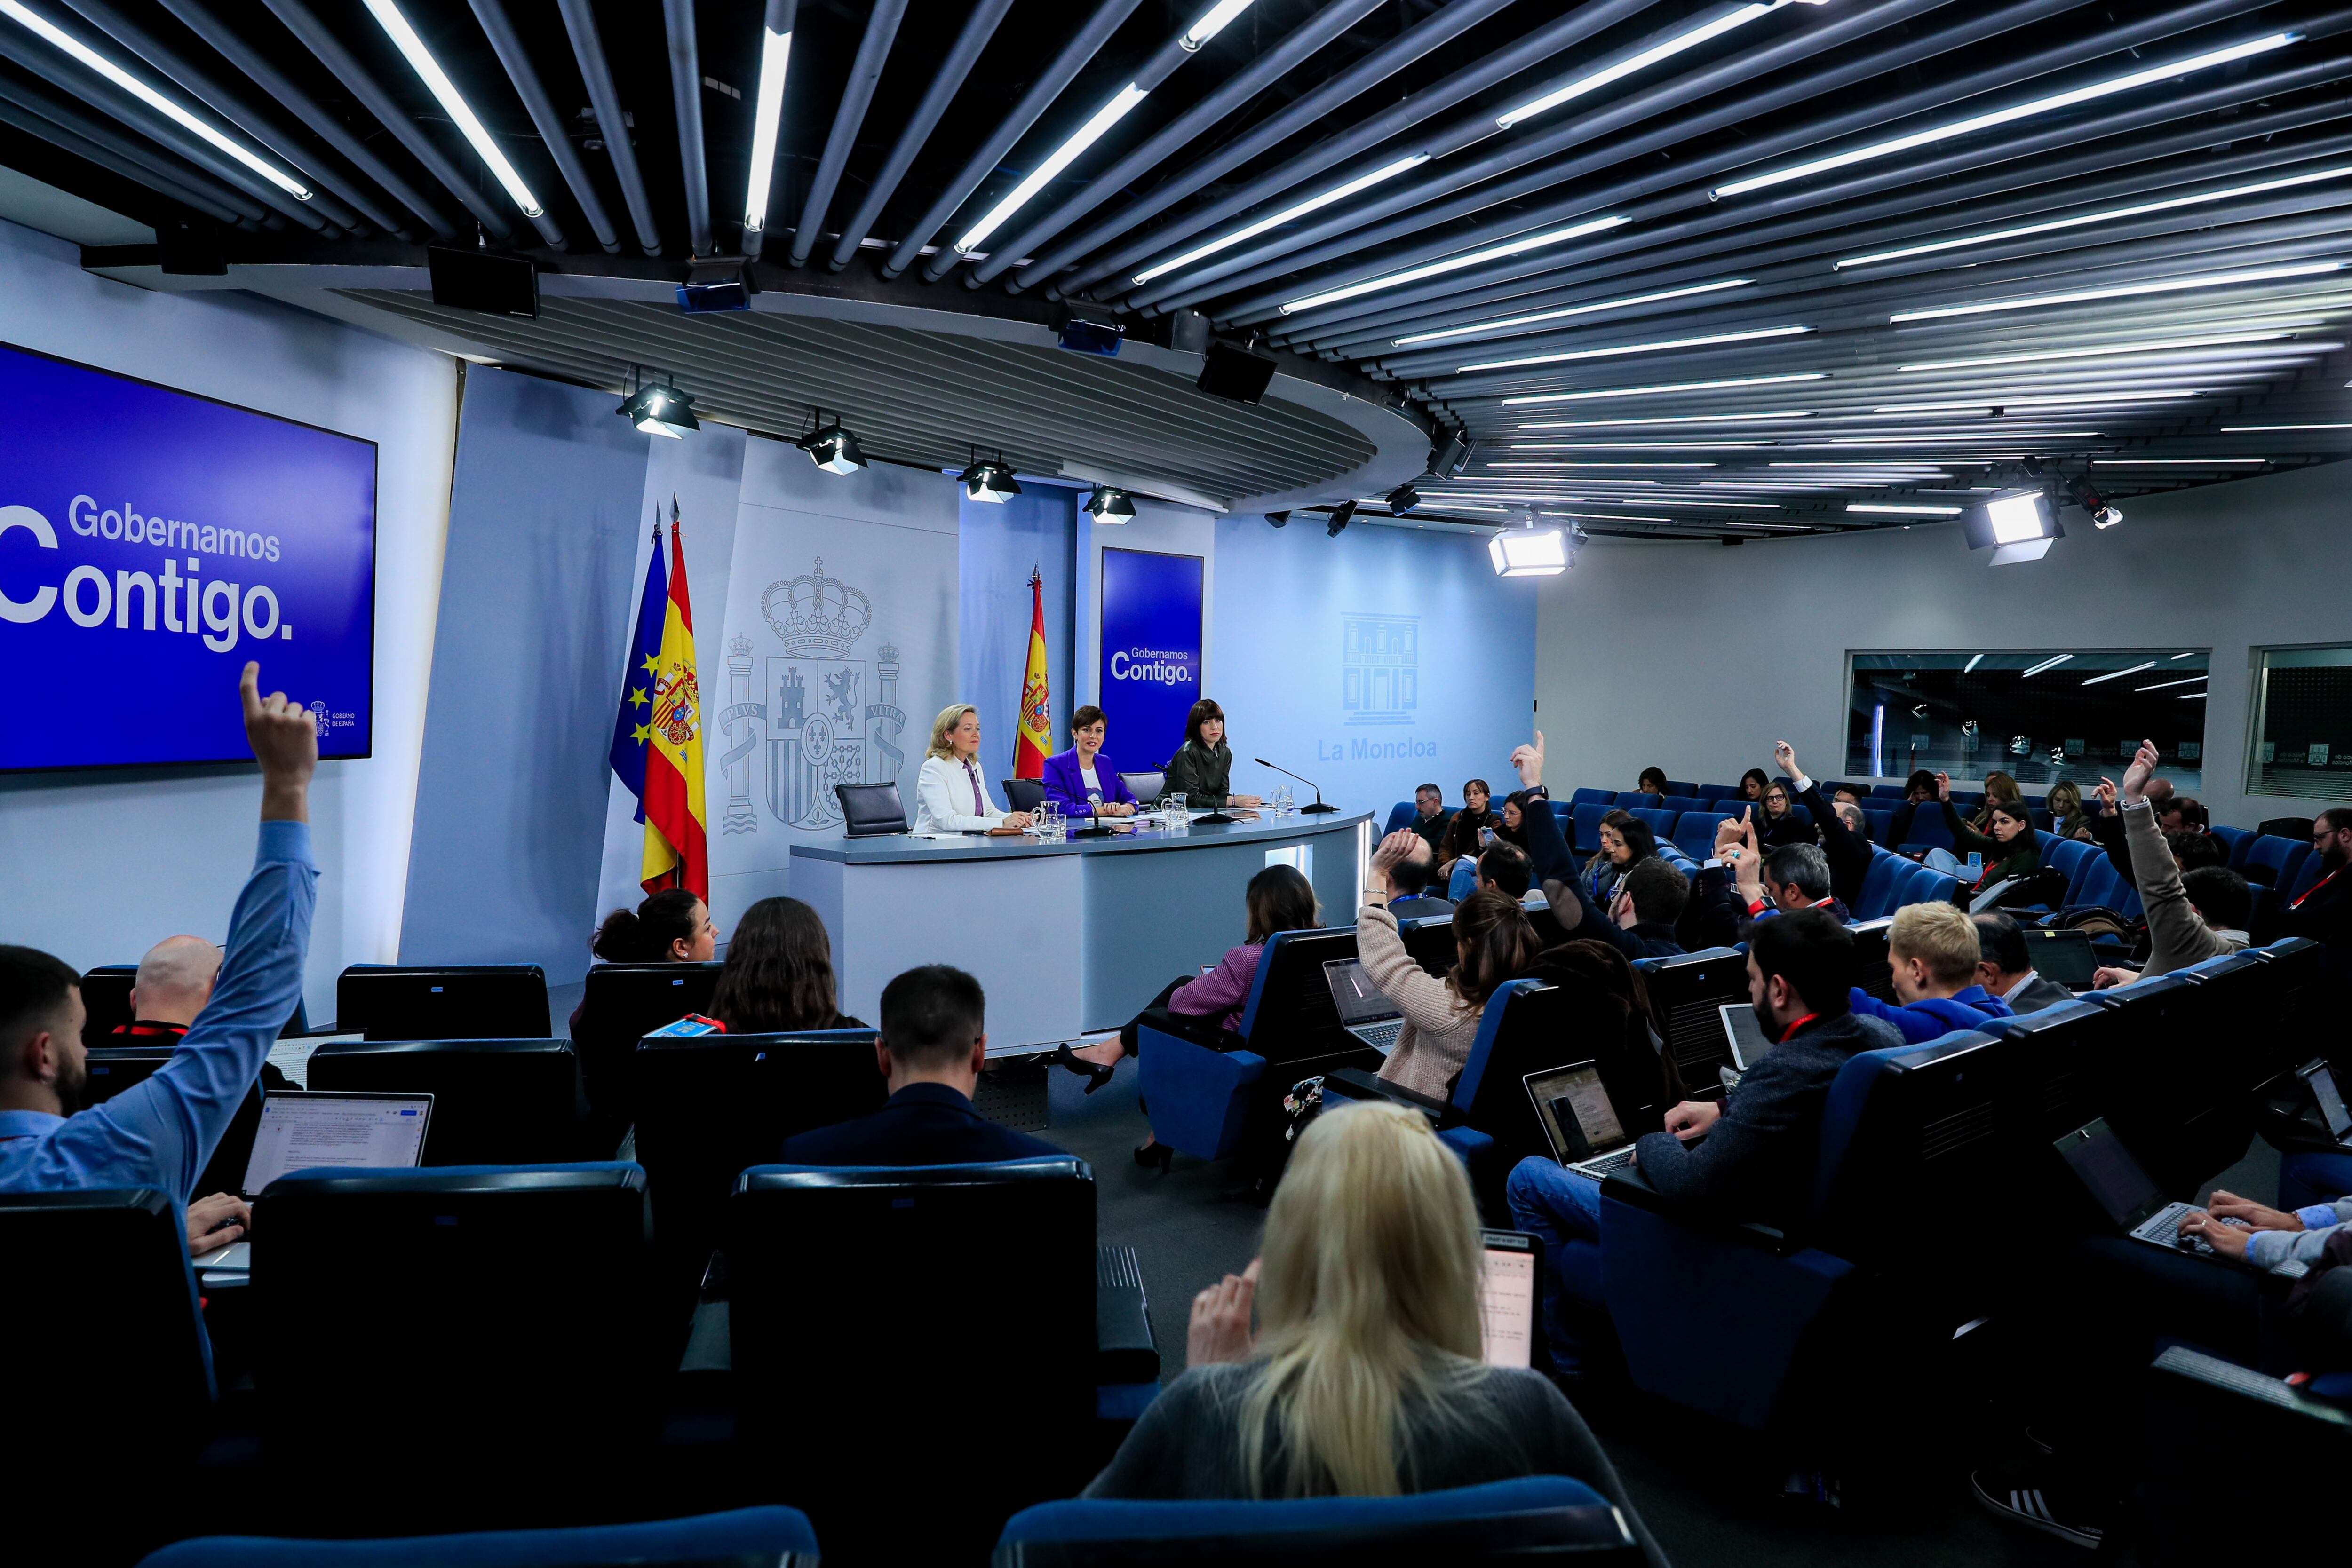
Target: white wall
[[1697, 658], [96, 866]]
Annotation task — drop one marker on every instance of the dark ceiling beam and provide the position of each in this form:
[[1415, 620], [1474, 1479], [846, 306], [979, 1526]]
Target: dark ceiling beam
[[685, 98], [857, 96], [1072, 59], [612, 120], [977, 28], [282, 89], [347, 69], [86, 137], [553, 133]]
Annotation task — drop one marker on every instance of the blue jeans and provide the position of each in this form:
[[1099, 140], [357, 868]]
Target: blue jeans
[[1464, 879], [2306, 1178], [1552, 1202]]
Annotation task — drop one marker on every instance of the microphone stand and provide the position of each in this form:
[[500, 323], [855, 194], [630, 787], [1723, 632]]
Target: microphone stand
[[1317, 809]]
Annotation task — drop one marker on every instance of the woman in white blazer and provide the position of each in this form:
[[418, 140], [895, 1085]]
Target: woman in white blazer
[[951, 795]]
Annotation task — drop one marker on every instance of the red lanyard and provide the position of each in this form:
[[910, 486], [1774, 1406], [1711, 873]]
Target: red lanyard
[[1795, 1026], [2315, 887]]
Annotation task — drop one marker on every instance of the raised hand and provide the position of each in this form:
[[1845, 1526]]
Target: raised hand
[[1529, 761], [1785, 756], [2142, 769], [1943, 785], [2105, 795], [285, 741], [1219, 1329]]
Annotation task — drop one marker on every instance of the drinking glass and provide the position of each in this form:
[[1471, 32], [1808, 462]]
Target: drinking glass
[[1180, 817]]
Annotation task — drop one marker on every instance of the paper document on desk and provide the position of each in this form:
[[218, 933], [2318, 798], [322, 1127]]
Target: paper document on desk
[[292, 1057]]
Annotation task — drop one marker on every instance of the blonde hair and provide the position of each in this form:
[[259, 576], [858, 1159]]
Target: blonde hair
[[1368, 1300], [950, 716], [1940, 934]]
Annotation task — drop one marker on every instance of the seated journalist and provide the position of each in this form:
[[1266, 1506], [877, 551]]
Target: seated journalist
[[932, 1047], [1364, 1377], [2005, 969], [2190, 917], [1935, 952], [159, 1132], [1409, 882], [1648, 899], [1462, 841], [1845, 836]]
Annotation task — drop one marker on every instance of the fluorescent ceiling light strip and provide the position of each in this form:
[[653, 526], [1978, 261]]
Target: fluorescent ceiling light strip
[[1908, 512], [1672, 419], [1663, 388], [436, 80], [1728, 505], [2160, 685], [775, 59], [1312, 204], [2084, 94], [2046, 665], [2191, 696], [2113, 674], [49, 32], [2239, 429], [2173, 462], [1454, 264], [2192, 653], [1974, 658], [1061, 158], [1660, 346], [2004, 438], [1630, 445], [1567, 464], [2057, 402], [1506, 323], [1716, 28], [2156, 346], [2123, 290], [2110, 215], [1211, 25]]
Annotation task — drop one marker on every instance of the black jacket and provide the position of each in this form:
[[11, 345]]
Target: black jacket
[[923, 1125], [1848, 851], [1202, 778], [1571, 907], [2325, 915], [1758, 1161]]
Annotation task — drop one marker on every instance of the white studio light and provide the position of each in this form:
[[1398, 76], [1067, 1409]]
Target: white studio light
[[1454, 264], [2110, 215], [1529, 552], [453, 103], [1663, 388], [2155, 346], [2014, 112], [1275, 221], [1212, 24], [1061, 158], [988, 479], [1888, 509], [2021, 531], [1713, 27], [178, 113], [2124, 290], [833, 449], [1509, 323], [1659, 346], [1767, 418], [775, 60]]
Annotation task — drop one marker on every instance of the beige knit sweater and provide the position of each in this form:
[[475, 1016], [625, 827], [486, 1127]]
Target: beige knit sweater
[[1439, 1027]]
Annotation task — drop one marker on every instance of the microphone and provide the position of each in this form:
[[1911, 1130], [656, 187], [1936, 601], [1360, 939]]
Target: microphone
[[1318, 809]]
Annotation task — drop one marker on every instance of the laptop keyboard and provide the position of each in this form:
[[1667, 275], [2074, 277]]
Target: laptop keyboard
[[1380, 1036], [1603, 1165]]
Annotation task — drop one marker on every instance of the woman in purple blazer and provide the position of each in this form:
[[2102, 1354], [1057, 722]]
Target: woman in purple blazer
[[1082, 779]]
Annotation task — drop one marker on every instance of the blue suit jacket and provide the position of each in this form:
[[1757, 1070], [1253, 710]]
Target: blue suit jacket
[[1067, 785], [923, 1125], [1933, 1017]]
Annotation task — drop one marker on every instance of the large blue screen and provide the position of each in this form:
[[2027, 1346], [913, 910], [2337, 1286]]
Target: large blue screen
[[151, 542], [1150, 674]]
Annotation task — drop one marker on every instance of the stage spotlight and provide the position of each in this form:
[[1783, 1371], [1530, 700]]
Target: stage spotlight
[[716, 283], [2019, 526], [2102, 516], [1528, 551], [1278, 519], [659, 409], [988, 479], [1341, 516], [831, 448], [1403, 500], [1109, 505]]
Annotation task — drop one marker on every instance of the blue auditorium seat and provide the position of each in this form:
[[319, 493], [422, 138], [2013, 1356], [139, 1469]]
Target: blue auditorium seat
[[1586, 838], [1683, 803], [1733, 804], [2073, 858], [1676, 787], [2186, 1107], [1661, 823], [1880, 885], [1886, 792], [2237, 841], [1632, 800], [1200, 1092], [1929, 830], [768, 1535], [1593, 798], [1925, 884], [1711, 1315], [2304, 879], [2275, 859], [1879, 822], [1533, 1517], [1716, 792], [1968, 799], [1695, 832]]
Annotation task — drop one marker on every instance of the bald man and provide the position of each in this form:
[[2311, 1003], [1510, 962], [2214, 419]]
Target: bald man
[[175, 982]]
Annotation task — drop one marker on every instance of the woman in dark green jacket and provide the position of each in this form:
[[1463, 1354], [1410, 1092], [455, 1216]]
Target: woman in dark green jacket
[[2009, 848], [1203, 768]]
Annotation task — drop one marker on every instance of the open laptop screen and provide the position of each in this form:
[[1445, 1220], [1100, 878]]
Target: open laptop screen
[[2064, 957], [1507, 1296], [2119, 1183], [301, 1131], [1748, 1040], [2331, 1102], [1352, 992], [1574, 1107]]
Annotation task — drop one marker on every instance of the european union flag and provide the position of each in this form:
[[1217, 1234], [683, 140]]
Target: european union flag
[[632, 731]]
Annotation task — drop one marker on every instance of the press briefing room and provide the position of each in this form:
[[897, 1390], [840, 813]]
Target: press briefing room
[[1086, 784]]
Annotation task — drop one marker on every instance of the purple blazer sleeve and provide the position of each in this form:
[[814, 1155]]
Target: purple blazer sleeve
[[1223, 990], [1066, 785]]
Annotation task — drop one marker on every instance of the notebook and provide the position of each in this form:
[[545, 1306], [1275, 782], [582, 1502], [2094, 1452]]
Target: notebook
[[2121, 1185]]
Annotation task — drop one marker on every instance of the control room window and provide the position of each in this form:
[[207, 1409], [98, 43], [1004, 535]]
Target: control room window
[[2303, 723], [2038, 716]]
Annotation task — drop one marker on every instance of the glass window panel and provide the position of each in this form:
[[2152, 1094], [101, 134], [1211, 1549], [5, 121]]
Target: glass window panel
[[2303, 723]]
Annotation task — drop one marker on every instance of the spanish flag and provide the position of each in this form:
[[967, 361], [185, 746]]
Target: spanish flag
[[1036, 729], [677, 853]]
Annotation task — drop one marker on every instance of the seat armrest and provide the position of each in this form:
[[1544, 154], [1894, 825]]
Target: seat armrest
[[1203, 1031], [1355, 1083], [1632, 1189], [1125, 1351]]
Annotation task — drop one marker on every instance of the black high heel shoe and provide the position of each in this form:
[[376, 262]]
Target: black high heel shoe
[[1160, 1155], [1096, 1077]]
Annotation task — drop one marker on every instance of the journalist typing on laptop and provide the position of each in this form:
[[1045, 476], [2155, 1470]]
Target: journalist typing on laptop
[[159, 1132]]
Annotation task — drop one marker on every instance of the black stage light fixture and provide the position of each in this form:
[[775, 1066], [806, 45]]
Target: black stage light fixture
[[1085, 336], [1341, 515], [1108, 504], [717, 283], [1279, 519], [471, 280], [659, 408], [831, 447], [988, 479], [1235, 374], [1451, 455], [2102, 516], [191, 248], [2017, 526], [1403, 500]]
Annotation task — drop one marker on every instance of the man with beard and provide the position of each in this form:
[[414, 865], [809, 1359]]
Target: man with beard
[[2324, 912], [159, 1132]]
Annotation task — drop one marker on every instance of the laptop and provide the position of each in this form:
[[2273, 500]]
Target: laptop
[[2064, 957], [304, 1131], [1579, 1119], [2123, 1187], [2322, 1080], [1364, 1011], [1508, 1297]]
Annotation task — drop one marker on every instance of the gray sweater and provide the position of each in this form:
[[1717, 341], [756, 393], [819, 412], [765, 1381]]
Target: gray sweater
[[2178, 935], [1512, 1422]]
